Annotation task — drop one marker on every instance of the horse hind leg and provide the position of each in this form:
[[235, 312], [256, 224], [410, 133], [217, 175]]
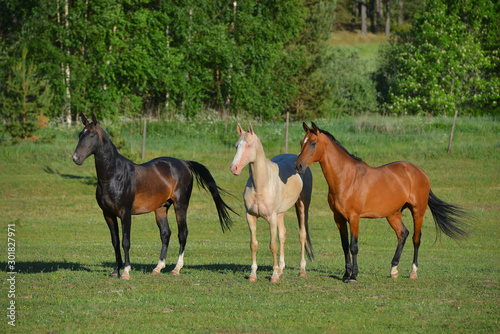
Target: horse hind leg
[[301, 211], [402, 233], [417, 221], [273, 246], [165, 233], [181, 213]]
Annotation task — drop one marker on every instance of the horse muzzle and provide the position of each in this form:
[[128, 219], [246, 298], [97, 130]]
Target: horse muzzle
[[235, 169], [299, 167], [77, 159]]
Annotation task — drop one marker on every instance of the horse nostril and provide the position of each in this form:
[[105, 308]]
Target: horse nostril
[[298, 167]]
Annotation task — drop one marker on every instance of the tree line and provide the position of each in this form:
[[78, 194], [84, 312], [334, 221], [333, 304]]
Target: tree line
[[263, 58]]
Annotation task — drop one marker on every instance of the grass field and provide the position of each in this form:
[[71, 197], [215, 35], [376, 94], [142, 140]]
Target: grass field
[[63, 252]]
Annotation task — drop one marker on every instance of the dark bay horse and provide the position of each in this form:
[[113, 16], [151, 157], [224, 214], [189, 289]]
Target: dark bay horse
[[357, 190], [125, 189]]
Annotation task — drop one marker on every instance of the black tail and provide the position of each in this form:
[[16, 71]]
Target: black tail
[[207, 182], [448, 217]]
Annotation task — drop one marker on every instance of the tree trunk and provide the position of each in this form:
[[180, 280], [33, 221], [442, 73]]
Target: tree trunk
[[400, 12], [372, 17], [67, 71], [387, 18], [380, 13], [452, 130], [363, 17], [354, 14]]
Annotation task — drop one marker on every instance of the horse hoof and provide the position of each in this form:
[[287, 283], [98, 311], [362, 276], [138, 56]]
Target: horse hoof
[[302, 273], [413, 276], [275, 280], [351, 281], [252, 279], [155, 272], [114, 274], [394, 275], [125, 277], [175, 273]]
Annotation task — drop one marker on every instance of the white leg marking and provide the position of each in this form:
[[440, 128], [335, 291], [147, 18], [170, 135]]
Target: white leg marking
[[179, 265], [413, 273], [159, 267], [126, 273], [394, 272]]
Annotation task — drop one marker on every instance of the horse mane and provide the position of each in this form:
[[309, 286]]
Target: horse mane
[[333, 139]]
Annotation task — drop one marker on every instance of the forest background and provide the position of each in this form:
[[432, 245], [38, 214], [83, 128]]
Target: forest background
[[176, 59]]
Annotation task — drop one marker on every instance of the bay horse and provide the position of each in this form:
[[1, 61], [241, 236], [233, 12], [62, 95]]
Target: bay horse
[[272, 188], [125, 189], [357, 190]]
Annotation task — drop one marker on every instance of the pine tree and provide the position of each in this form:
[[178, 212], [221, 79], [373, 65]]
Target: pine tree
[[26, 97]]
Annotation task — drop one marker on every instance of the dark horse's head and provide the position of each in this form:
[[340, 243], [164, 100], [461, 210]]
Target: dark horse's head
[[90, 140]]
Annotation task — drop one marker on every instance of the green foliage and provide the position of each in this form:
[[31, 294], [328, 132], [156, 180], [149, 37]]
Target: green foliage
[[319, 22], [164, 56], [26, 97], [343, 85], [442, 65]]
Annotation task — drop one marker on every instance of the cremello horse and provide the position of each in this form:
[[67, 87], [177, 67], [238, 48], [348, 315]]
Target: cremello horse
[[272, 188]]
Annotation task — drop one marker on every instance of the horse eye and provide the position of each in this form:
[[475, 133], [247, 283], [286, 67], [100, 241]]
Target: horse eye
[[313, 144]]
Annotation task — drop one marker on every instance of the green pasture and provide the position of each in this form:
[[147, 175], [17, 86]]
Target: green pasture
[[64, 255]]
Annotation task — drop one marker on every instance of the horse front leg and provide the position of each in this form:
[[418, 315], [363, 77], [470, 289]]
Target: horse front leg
[[282, 237], [126, 224], [354, 225], [273, 246], [344, 237], [254, 244], [115, 241]]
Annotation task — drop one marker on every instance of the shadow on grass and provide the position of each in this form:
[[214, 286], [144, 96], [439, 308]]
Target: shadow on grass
[[88, 180], [217, 268], [36, 267]]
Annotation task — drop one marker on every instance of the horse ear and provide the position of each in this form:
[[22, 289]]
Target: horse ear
[[250, 129], [315, 128], [306, 128], [85, 121], [94, 119], [240, 129]]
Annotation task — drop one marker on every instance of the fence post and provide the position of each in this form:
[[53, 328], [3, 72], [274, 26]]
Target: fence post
[[144, 141], [286, 138]]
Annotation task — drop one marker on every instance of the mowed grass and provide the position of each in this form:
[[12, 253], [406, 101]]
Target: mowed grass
[[64, 253]]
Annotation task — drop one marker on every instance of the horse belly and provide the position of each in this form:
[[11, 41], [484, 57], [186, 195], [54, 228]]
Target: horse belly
[[153, 190], [145, 203], [383, 200]]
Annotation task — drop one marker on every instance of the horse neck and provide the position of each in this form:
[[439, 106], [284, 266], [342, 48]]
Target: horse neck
[[260, 168], [105, 158], [336, 164]]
